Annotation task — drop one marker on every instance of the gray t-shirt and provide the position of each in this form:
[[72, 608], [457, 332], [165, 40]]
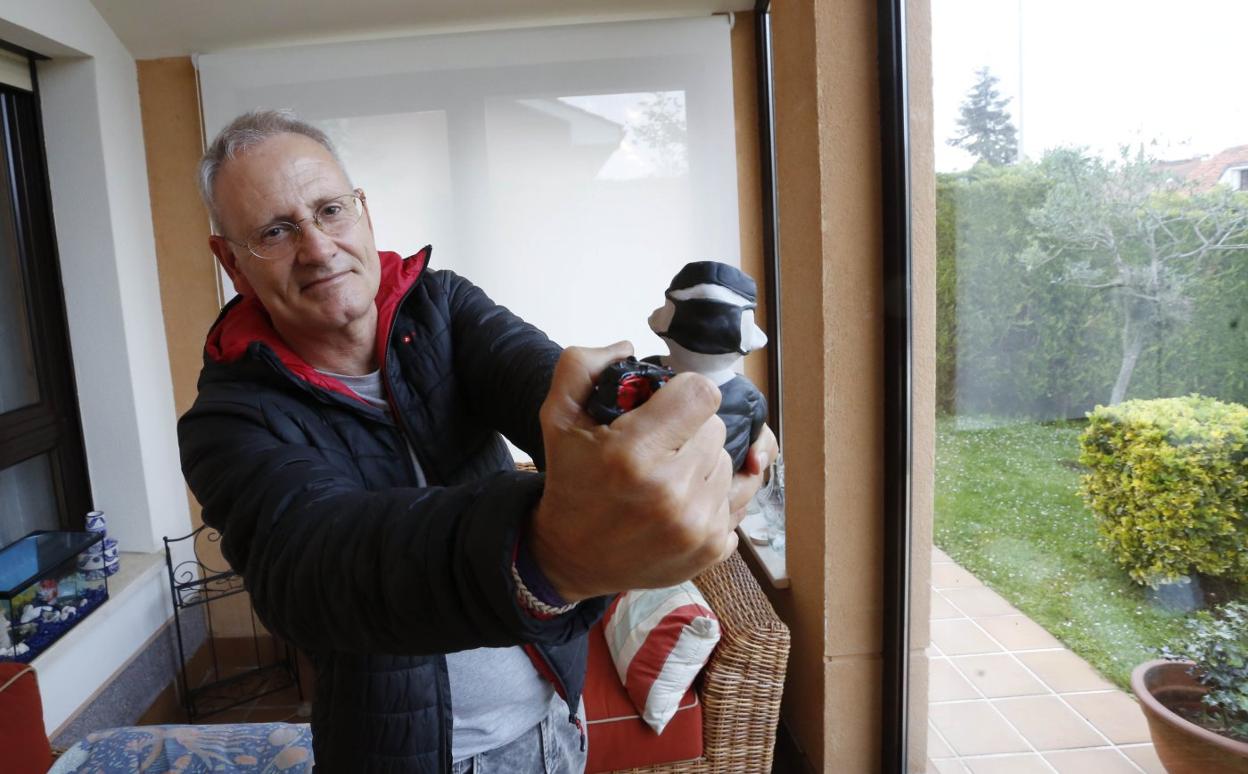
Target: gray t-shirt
[[496, 693]]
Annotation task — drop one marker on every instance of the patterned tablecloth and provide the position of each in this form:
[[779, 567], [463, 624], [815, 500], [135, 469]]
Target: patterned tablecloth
[[258, 748]]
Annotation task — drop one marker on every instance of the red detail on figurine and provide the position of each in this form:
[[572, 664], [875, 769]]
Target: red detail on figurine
[[634, 391]]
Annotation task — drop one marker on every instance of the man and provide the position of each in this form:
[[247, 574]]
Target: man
[[345, 441]]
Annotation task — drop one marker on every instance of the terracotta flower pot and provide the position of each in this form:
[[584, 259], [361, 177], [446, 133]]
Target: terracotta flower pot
[[1183, 747]]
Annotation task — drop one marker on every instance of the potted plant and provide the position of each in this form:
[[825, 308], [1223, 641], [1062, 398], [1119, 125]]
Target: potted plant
[[1196, 698]]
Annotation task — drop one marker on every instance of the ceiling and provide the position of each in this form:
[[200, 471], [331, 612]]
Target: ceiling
[[161, 28]]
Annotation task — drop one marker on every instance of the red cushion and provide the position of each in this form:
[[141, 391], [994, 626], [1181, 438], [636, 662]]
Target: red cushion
[[618, 737], [22, 739]]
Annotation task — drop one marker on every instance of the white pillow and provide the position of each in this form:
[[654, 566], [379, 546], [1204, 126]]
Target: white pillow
[[659, 640]]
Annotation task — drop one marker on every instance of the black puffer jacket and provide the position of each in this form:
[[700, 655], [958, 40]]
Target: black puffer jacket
[[313, 492]]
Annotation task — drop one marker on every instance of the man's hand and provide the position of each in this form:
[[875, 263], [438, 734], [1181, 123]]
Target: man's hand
[[640, 503], [749, 478]]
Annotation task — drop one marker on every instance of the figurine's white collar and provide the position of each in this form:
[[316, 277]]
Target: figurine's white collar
[[717, 368]]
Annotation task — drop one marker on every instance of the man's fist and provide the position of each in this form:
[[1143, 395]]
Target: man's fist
[[640, 503]]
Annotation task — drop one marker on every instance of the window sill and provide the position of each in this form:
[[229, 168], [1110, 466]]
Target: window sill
[[77, 666], [772, 561]]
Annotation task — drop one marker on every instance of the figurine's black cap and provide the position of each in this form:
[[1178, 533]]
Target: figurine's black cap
[[715, 273]]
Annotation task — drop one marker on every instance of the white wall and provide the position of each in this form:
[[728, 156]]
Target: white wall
[[100, 204], [101, 207]]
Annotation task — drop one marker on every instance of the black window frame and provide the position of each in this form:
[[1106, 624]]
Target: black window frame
[[896, 271], [51, 426]]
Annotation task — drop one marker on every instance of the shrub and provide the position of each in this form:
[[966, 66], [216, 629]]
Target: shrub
[[1168, 482], [1218, 644]]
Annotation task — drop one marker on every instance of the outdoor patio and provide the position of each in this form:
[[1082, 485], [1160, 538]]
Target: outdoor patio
[[1006, 697]]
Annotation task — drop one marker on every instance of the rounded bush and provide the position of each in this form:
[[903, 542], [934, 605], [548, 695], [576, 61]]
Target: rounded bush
[[1168, 482]]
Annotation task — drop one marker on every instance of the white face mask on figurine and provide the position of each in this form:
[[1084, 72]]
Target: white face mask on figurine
[[708, 323], [708, 320]]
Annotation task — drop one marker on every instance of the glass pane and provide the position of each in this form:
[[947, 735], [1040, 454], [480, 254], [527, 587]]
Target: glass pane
[[1091, 265], [27, 499], [36, 554], [19, 384]]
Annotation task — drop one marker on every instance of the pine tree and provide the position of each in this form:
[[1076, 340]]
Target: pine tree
[[985, 127]]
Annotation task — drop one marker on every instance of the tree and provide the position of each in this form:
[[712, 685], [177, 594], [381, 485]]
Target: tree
[[985, 129], [1123, 227], [661, 128]]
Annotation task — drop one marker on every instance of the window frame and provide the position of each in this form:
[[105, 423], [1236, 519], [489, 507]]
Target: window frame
[[896, 271], [51, 426]]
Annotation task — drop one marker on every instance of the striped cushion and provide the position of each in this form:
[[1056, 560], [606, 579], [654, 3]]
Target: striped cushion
[[659, 640]]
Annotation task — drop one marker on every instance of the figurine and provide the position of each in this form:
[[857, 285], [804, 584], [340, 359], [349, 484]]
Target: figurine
[[624, 386], [48, 591], [708, 324]]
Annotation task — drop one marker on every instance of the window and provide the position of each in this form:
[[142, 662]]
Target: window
[[43, 474], [556, 167], [1091, 266]]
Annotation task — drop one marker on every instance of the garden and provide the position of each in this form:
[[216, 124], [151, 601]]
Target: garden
[[1092, 371]]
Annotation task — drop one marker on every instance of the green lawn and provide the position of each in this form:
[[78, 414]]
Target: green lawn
[[1008, 510]]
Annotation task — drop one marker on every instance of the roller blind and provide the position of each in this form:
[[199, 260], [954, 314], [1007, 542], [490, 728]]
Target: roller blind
[[15, 70], [569, 171]]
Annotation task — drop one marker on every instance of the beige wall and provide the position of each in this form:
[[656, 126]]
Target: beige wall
[[828, 149], [828, 146], [169, 103]]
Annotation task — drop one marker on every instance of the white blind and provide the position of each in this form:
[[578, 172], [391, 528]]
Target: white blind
[[568, 171], [15, 70]]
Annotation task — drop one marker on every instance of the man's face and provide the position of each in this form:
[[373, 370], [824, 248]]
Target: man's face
[[329, 282]]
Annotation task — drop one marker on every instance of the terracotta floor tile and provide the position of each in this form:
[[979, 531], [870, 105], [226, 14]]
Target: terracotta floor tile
[[952, 576], [1048, 724], [1103, 761], [1145, 757], [1018, 632], [960, 637], [1007, 764], [999, 735], [998, 675], [941, 608], [946, 766], [977, 601], [975, 728], [1063, 671], [936, 747], [946, 684], [1115, 714]]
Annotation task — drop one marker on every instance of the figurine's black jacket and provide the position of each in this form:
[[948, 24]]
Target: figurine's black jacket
[[313, 492], [744, 411]]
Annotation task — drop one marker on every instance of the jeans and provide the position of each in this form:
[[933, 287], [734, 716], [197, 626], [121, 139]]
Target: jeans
[[551, 747]]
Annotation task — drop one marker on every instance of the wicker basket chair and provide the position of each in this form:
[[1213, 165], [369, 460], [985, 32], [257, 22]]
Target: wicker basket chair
[[741, 686]]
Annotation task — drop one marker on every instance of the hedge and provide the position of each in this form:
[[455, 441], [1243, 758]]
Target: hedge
[[1168, 483], [1018, 342]]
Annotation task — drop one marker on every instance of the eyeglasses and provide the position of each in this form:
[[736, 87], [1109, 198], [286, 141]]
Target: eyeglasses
[[279, 240]]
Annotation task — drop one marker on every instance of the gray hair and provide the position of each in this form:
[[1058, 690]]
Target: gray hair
[[248, 131]]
